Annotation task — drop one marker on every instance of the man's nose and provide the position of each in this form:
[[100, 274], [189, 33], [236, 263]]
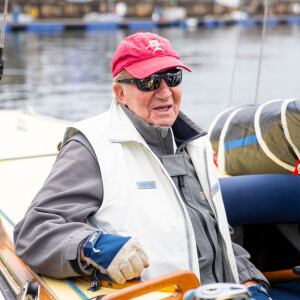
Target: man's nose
[[163, 92]]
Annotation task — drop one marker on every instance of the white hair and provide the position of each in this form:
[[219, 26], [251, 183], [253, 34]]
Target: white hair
[[122, 75]]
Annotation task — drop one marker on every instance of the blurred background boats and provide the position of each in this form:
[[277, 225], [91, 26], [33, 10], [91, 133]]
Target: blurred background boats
[[49, 9], [67, 73], [58, 53]]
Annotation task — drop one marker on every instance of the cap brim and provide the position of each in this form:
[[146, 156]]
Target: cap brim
[[146, 68]]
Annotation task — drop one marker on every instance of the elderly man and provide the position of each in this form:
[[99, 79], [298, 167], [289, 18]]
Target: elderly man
[[134, 191]]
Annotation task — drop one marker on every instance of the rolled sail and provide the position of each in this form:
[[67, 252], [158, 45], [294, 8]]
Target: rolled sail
[[258, 139]]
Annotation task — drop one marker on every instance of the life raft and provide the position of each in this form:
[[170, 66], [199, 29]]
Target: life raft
[[258, 139]]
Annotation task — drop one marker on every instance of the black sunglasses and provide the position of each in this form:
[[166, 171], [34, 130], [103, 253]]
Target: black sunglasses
[[152, 83]]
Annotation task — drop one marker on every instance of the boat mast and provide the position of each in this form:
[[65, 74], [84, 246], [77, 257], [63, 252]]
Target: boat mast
[[261, 48], [2, 39], [236, 52]]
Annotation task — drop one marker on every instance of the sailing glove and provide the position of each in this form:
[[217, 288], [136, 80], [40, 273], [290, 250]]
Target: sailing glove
[[258, 292], [121, 258]]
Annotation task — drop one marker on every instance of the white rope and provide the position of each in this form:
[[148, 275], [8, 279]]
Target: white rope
[[286, 127], [3, 24], [221, 151], [261, 141], [215, 121], [261, 49]]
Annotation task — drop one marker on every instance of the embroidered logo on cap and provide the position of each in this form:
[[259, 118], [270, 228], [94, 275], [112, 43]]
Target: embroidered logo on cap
[[155, 44], [146, 185]]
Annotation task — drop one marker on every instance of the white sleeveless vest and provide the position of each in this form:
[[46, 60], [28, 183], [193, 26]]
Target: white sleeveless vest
[[140, 199]]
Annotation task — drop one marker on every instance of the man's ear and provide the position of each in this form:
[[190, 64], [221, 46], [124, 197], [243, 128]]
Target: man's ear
[[120, 93]]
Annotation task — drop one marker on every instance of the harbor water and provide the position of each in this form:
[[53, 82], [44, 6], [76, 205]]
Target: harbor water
[[67, 74]]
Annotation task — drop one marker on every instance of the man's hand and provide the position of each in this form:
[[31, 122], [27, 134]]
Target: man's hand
[[121, 258]]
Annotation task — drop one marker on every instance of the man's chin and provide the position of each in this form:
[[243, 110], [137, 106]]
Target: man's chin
[[162, 119], [164, 122]]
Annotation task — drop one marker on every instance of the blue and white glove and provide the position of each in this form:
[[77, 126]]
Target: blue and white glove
[[258, 292], [121, 258]]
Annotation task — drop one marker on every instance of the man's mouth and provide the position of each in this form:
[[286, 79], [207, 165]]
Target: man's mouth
[[163, 108]]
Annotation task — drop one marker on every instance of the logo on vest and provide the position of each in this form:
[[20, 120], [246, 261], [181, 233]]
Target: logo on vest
[[142, 185], [154, 44], [213, 191]]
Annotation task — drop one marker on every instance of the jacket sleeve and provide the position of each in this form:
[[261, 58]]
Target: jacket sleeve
[[247, 271], [49, 236]]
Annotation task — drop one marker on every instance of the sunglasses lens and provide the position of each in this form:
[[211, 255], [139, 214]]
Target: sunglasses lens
[[174, 79], [152, 82], [149, 84]]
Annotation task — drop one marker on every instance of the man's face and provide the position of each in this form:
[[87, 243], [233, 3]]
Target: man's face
[[159, 107]]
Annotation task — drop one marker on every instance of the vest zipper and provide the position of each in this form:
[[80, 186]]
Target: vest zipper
[[203, 222], [217, 219]]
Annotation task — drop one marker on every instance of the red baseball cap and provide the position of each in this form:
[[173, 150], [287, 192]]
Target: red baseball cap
[[143, 54]]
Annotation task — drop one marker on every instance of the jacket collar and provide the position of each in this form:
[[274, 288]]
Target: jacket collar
[[186, 130], [121, 127]]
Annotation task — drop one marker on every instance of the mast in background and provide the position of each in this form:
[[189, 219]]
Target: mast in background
[[2, 39]]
